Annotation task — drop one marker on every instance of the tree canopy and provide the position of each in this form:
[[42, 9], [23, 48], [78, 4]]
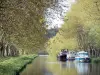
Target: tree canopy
[[81, 28], [22, 24]]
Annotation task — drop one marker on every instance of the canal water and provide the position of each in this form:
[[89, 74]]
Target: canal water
[[41, 66]]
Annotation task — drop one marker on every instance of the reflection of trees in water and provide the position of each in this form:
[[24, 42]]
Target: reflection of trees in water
[[87, 68], [94, 69], [36, 68], [82, 68], [68, 64], [61, 68], [40, 67]]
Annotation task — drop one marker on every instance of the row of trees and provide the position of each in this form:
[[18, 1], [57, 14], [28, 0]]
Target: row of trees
[[22, 29], [81, 30]]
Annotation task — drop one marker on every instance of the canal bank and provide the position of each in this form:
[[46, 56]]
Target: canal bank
[[14, 65], [95, 60]]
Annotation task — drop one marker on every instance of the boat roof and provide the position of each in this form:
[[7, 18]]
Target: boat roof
[[82, 52]]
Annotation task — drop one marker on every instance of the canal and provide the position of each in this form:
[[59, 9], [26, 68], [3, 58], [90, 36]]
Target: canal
[[41, 66]]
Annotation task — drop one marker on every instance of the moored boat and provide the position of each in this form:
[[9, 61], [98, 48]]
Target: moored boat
[[62, 55], [82, 56], [71, 55]]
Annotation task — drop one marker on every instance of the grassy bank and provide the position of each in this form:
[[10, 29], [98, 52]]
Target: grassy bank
[[96, 60], [3, 59], [13, 65]]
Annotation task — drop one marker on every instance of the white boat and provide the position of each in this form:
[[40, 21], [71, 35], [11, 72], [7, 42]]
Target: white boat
[[71, 55], [82, 56]]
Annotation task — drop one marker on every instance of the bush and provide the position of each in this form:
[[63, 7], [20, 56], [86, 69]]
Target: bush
[[96, 60]]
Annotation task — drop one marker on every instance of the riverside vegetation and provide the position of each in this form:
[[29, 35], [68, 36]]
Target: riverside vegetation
[[22, 26], [14, 65], [22, 31], [81, 30]]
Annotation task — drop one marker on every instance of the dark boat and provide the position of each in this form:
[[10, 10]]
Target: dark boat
[[62, 56]]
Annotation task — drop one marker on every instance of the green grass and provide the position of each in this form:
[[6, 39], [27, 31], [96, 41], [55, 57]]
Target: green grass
[[4, 58], [96, 60], [15, 64]]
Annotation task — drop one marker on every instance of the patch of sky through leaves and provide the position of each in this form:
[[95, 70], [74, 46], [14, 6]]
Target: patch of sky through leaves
[[54, 15]]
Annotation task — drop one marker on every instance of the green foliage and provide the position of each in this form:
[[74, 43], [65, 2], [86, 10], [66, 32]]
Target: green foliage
[[13, 65], [22, 23], [96, 60], [81, 29], [60, 42]]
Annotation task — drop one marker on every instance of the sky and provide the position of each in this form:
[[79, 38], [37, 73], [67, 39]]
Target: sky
[[54, 15]]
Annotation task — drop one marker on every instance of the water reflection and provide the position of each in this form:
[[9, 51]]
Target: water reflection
[[41, 66], [82, 68], [68, 64]]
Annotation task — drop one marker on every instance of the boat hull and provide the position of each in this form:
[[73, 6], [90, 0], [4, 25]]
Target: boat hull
[[83, 59], [62, 57], [71, 58]]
